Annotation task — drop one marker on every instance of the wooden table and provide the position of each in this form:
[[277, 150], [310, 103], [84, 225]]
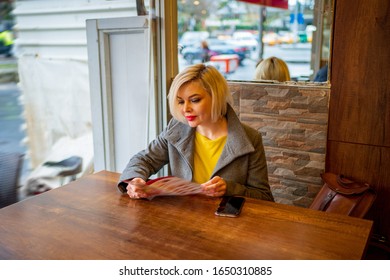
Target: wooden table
[[90, 219]]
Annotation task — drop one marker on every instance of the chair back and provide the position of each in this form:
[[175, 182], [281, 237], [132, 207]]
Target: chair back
[[343, 196], [10, 167]]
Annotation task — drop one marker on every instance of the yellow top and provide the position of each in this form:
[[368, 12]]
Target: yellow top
[[206, 156]]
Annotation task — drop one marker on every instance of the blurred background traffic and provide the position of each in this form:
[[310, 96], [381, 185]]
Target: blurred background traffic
[[252, 32]]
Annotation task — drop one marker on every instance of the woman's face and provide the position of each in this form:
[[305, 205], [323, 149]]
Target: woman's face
[[195, 104]]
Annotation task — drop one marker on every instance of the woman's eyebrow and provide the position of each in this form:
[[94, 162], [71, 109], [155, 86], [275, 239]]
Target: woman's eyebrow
[[191, 96]]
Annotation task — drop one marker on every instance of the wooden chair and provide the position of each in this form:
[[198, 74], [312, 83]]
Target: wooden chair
[[341, 195], [10, 167], [68, 167]]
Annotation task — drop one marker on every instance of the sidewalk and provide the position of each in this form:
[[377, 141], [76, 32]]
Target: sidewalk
[[11, 122]]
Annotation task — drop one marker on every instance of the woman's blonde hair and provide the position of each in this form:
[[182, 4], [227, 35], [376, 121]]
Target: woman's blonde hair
[[272, 68], [211, 80]]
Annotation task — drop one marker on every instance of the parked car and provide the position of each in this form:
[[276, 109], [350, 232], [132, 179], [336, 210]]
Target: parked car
[[190, 38], [286, 37], [216, 47], [245, 39], [271, 39]]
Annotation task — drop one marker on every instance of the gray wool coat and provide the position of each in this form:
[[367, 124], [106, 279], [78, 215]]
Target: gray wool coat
[[242, 163]]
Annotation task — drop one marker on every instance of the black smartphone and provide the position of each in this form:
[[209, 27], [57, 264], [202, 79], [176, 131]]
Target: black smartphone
[[230, 206]]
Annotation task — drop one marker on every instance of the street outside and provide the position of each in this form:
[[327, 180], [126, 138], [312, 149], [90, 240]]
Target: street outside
[[297, 57]]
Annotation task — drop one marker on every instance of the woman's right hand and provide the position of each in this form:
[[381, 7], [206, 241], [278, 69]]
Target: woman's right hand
[[135, 188]]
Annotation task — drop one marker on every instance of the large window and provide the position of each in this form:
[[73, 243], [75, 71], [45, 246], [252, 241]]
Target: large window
[[240, 31]]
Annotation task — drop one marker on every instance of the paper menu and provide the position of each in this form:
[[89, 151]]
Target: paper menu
[[170, 185]]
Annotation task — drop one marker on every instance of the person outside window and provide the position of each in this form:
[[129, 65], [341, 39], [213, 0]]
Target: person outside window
[[6, 42], [204, 142], [322, 74], [205, 52]]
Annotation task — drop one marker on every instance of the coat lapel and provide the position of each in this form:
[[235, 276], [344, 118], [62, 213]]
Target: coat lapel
[[237, 143], [181, 136]]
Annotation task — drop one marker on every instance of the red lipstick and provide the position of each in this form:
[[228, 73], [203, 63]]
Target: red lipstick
[[190, 118]]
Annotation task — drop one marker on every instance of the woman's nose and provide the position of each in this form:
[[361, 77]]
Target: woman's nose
[[187, 106]]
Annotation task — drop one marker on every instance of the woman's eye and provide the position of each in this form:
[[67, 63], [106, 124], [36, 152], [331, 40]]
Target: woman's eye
[[180, 102], [195, 100]]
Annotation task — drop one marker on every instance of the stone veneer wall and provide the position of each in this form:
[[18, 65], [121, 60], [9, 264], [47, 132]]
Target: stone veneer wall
[[293, 121]]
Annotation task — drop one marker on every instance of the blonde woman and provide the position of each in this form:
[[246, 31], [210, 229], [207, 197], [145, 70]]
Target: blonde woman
[[205, 142], [272, 68]]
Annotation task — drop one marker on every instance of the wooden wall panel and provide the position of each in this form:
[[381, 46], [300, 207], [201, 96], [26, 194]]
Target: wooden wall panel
[[359, 108], [360, 103]]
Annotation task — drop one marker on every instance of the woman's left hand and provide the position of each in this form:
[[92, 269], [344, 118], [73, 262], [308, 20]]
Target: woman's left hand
[[215, 187]]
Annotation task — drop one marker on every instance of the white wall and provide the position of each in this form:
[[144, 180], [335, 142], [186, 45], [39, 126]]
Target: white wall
[[53, 67]]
